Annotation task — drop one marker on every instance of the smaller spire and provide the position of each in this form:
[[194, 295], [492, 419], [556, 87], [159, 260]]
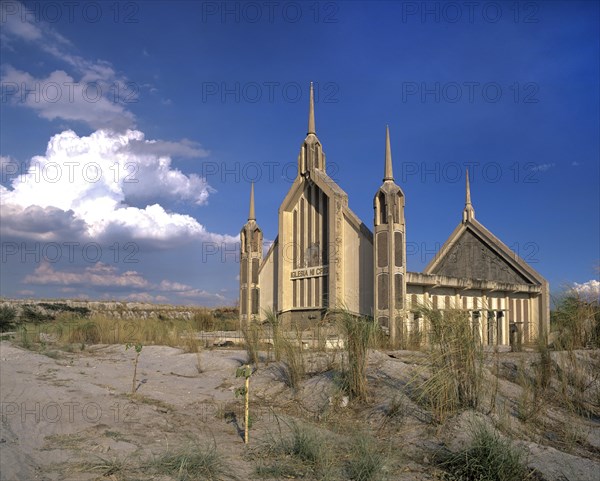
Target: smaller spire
[[251, 215], [388, 174], [468, 198], [311, 112], [469, 212]]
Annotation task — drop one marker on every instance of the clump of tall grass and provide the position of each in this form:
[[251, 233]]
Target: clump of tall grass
[[191, 462], [576, 319], [294, 370], [366, 461], [578, 379], [204, 321], [487, 458], [455, 362], [192, 344], [272, 322], [302, 449], [252, 336], [534, 389], [528, 405], [359, 335], [24, 337], [86, 332]]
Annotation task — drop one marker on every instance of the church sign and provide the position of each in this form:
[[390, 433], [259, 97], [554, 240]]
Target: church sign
[[318, 271]]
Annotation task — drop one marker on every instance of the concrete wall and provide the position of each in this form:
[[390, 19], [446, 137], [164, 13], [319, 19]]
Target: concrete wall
[[268, 281], [358, 269]]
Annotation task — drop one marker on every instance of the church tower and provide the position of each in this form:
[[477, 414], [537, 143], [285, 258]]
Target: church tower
[[251, 241], [389, 252], [322, 257]]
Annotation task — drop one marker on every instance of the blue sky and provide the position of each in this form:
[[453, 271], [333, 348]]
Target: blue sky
[[131, 132]]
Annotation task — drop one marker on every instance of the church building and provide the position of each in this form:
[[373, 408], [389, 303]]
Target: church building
[[324, 257]]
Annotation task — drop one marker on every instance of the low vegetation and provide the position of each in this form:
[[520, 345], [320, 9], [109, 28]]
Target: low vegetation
[[366, 461], [8, 316], [192, 462], [300, 452], [576, 321], [488, 457], [552, 398]]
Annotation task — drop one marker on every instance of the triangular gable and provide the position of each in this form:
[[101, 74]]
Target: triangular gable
[[321, 180], [472, 251]]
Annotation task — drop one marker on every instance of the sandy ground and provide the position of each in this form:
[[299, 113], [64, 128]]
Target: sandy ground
[[67, 417], [60, 413]]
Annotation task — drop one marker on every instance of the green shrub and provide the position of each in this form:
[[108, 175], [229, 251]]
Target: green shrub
[[62, 307], [8, 316], [30, 313]]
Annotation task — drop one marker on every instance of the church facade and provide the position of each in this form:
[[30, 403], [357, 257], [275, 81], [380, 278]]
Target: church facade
[[324, 257]]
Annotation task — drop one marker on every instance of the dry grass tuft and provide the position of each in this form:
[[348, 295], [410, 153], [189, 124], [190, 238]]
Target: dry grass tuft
[[487, 458], [359, 335], [455, 364]]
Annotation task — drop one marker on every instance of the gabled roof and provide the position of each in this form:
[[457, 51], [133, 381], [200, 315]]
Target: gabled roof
[[473, 251]]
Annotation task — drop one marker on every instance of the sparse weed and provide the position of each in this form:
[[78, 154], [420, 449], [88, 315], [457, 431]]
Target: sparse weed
[[138, 350], [107, 467]]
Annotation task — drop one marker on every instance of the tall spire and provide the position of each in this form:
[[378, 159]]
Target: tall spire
[[388, 174], [251, 215], [311, 112], [469, 212]]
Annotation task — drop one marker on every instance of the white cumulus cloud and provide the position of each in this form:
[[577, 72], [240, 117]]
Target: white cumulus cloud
[[88, 186], [589, 290]]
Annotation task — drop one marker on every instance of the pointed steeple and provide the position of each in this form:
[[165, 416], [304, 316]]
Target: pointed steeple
[[311, 112], [469, 212], [251, 215], [388, 174]]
